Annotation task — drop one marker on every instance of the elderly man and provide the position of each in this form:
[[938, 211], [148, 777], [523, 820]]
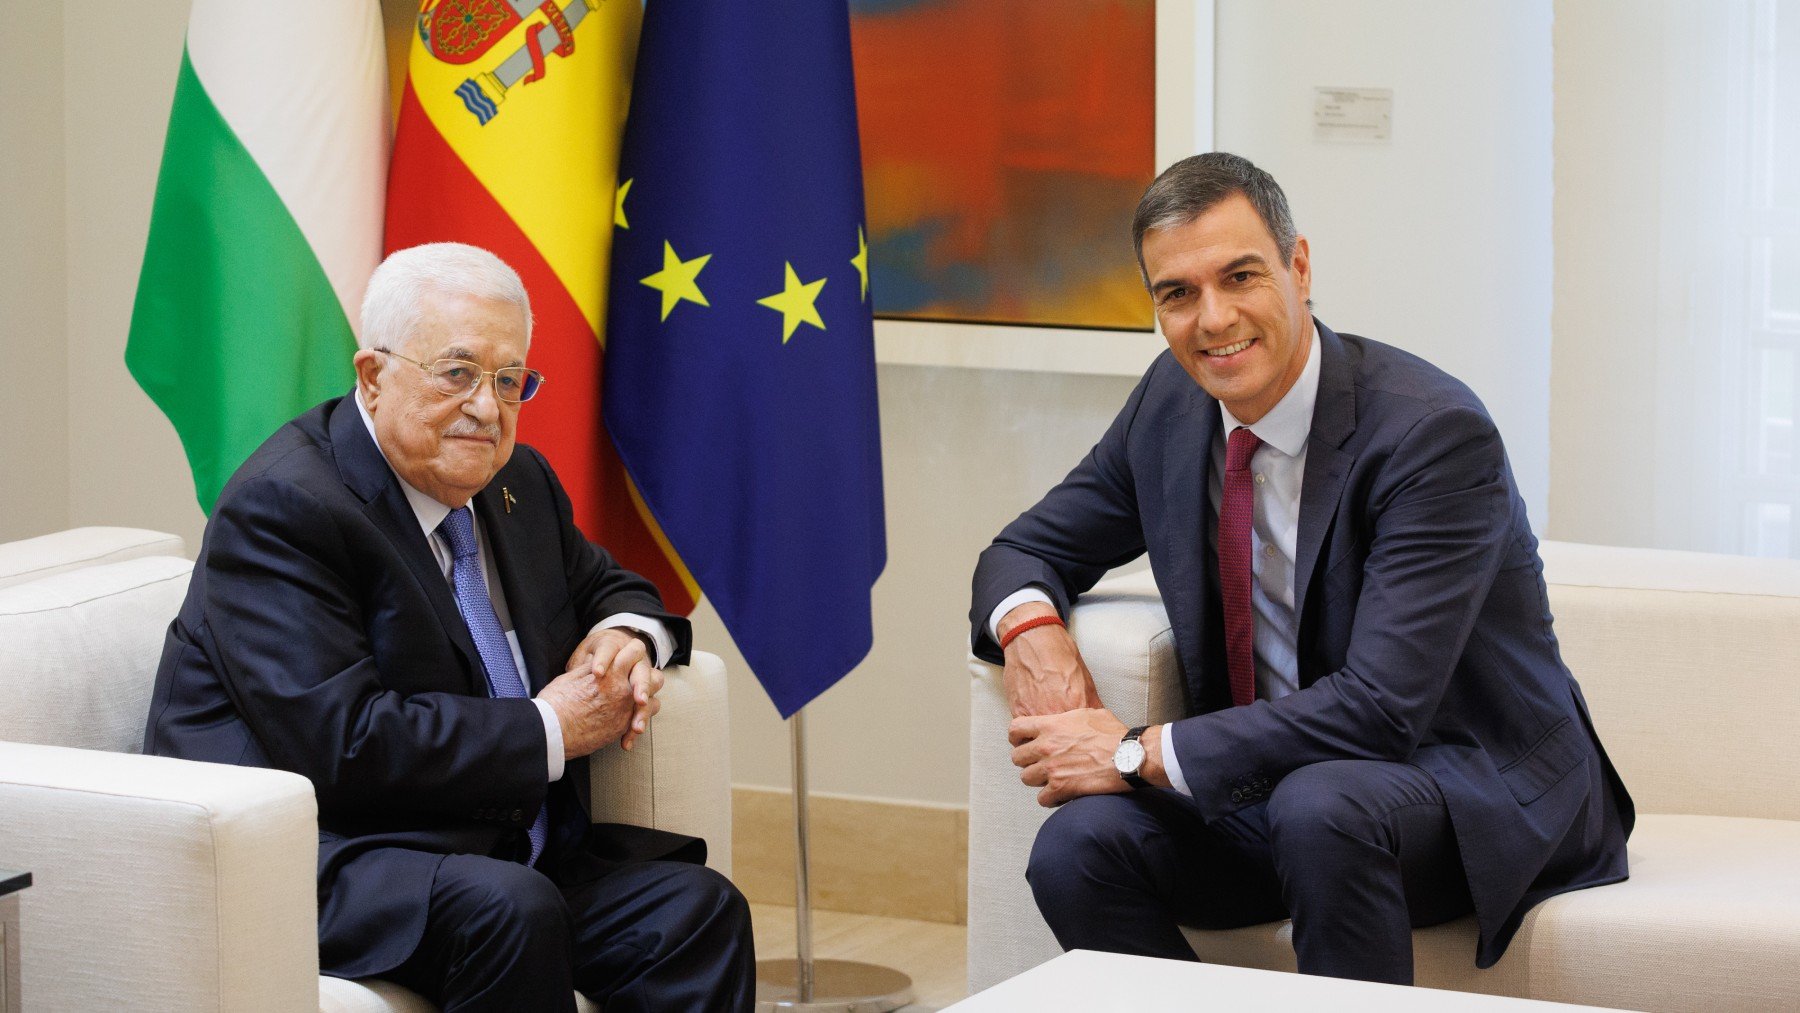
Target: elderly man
[[1380, 733], [394, 603]]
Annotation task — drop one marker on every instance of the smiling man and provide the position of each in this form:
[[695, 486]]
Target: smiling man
[[1380, 732], [393, 600]]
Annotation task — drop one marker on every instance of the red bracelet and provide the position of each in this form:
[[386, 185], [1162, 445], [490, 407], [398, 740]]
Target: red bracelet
[[1030, 624]]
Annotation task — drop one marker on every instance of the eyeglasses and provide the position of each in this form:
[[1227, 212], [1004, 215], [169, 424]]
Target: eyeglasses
[[460, 378]]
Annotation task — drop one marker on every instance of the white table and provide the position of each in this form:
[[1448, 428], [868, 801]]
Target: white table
[[1104, 982]]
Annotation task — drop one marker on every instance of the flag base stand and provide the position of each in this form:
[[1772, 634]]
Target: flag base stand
[[838, 986], [822, 986]]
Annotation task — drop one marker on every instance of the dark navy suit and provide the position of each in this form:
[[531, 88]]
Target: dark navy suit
[[320, 636], [1424, 638]]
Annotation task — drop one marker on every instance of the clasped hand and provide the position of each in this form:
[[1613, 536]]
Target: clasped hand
[[1068, 755], [1063, 739], [608, 693]]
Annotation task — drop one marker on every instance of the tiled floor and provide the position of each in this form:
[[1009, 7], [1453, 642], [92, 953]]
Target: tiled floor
[[933, 954]]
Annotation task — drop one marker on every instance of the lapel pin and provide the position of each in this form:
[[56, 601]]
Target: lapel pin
[[506, 497]]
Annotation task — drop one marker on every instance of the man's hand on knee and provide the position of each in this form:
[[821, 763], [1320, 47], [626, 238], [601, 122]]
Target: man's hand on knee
[[1044, 672], [1068, 755]]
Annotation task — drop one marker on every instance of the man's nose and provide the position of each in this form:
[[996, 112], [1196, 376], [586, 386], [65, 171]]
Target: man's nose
[[482, 403], [1217, 313]]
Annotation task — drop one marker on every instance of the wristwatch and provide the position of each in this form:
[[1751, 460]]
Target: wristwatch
[[1128, 759]]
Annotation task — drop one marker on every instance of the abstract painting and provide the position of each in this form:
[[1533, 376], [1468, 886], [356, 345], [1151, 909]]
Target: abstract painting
[[1005, 143]]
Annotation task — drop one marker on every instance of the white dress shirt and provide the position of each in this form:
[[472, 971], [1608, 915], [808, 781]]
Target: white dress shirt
[[1277, 469], [430, 514]]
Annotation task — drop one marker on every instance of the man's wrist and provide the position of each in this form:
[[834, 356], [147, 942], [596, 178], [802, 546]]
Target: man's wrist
[[1021, 613], [654, 635], [1153, 770], [648, 641]]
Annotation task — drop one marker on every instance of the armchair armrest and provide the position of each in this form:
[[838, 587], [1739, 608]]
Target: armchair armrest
[[77, 548], [678, 775], [167, 884], [1124, 636]]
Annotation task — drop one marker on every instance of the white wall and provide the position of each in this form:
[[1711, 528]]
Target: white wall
[[1608, 59], [1646, 375], [1438, 242]]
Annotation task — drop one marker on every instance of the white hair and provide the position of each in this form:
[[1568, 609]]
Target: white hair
[[394, 303]]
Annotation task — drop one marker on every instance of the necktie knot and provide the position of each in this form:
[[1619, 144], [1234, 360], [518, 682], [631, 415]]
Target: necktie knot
[[1240, 448], [459, 530]]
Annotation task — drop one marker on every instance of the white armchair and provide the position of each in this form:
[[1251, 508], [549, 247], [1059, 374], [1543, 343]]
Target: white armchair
[[169, 884], [1689, 662]]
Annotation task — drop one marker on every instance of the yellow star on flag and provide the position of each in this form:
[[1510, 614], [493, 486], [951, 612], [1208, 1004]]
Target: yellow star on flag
[[861, 261], [677, 279], [619, 205], [795, 304]]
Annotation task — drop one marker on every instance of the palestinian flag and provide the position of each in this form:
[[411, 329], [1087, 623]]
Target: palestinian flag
[[508, 139], [266, 224]]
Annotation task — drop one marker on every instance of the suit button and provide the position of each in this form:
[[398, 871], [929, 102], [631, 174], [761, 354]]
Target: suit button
[[518, 815], [1237, 795]]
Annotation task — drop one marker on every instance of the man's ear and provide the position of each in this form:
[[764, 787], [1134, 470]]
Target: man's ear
[[368, 364], [1301, 265]]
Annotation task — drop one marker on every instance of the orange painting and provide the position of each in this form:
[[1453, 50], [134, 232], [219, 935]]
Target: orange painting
[[1005, 143]]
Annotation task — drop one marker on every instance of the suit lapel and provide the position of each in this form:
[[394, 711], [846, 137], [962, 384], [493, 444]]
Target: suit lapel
[[366, 473], [1327, 463], [505, 536], [1187, 458]]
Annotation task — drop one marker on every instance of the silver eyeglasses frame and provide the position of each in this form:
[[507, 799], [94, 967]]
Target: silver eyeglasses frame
[[525, 374]]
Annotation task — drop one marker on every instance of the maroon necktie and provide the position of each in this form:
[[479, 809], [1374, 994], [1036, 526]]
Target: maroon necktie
[[1236, 512]]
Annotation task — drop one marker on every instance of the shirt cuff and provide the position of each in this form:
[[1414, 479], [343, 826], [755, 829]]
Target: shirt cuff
[[1171, 765], [652, 628], [552, 739], [1028, 593]]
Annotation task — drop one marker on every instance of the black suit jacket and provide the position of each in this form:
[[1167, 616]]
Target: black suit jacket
[[1424, 628], [319, 636]]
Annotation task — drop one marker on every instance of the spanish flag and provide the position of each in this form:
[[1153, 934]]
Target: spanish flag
[[508, 139]]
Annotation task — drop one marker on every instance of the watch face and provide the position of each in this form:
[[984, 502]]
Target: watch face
[[1129, 757]]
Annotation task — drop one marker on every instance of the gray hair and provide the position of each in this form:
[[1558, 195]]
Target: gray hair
[[1198, 183], [394, 303]]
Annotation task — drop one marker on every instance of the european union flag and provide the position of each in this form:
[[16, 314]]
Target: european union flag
[[740, 358]]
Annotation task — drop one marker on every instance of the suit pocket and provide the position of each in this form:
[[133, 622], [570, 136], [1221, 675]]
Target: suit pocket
[[1547, 762]]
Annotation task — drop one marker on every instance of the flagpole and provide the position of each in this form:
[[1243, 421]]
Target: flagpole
[[802, 862], [822, 986]]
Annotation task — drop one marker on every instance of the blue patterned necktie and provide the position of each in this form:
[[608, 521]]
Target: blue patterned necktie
[[477, 610]]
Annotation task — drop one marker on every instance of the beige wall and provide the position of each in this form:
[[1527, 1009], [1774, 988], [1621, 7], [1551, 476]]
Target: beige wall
[[34, 459], [125, 463], [82, 131]]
